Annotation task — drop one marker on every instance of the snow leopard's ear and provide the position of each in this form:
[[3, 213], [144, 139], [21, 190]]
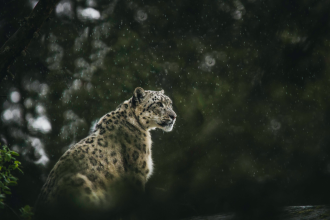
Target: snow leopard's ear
[[138, 96]]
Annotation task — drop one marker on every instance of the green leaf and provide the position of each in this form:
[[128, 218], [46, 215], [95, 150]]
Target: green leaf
[[12, 183], [26, 212], [13, 178], [7, 157], [27, 208], [9, 163], [20, 170], [14, 153]]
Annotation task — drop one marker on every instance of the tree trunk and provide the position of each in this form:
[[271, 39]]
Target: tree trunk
[[18, 43]]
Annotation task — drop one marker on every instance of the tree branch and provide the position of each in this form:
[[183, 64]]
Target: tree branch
[[18, 43]]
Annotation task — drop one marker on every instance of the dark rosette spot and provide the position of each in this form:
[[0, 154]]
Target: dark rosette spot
[[123, 147], [92, 177], [125, 164], [136, 170], [102, 184], [110, 127], [78, 182], [109, 175], [102, 130], [93, 161], [89, 140], [135, 155], [100, 167], [88, 190], [102, 143], [81, 156], [63, 157]]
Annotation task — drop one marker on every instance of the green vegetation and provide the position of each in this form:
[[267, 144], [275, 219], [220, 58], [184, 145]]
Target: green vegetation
[[26, 212], [8, 164]]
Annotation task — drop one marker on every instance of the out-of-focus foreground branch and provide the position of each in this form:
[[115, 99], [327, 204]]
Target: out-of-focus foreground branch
[[18, 43]]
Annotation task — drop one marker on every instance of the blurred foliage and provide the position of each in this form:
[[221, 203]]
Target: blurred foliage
[[26, 212], [249, 81], [8, 163]]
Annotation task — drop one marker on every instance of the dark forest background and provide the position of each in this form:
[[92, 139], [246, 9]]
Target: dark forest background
[[249, 80]]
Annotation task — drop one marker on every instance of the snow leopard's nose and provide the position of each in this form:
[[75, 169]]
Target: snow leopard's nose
[[172, 115]]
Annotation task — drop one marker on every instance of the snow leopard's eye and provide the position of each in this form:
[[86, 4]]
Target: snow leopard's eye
[[160, 104]]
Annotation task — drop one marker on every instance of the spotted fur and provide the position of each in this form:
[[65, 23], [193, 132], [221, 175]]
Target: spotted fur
[[118, 149]]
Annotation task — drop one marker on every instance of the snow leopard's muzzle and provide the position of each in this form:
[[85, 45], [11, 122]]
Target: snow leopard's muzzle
[[168, 122]]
